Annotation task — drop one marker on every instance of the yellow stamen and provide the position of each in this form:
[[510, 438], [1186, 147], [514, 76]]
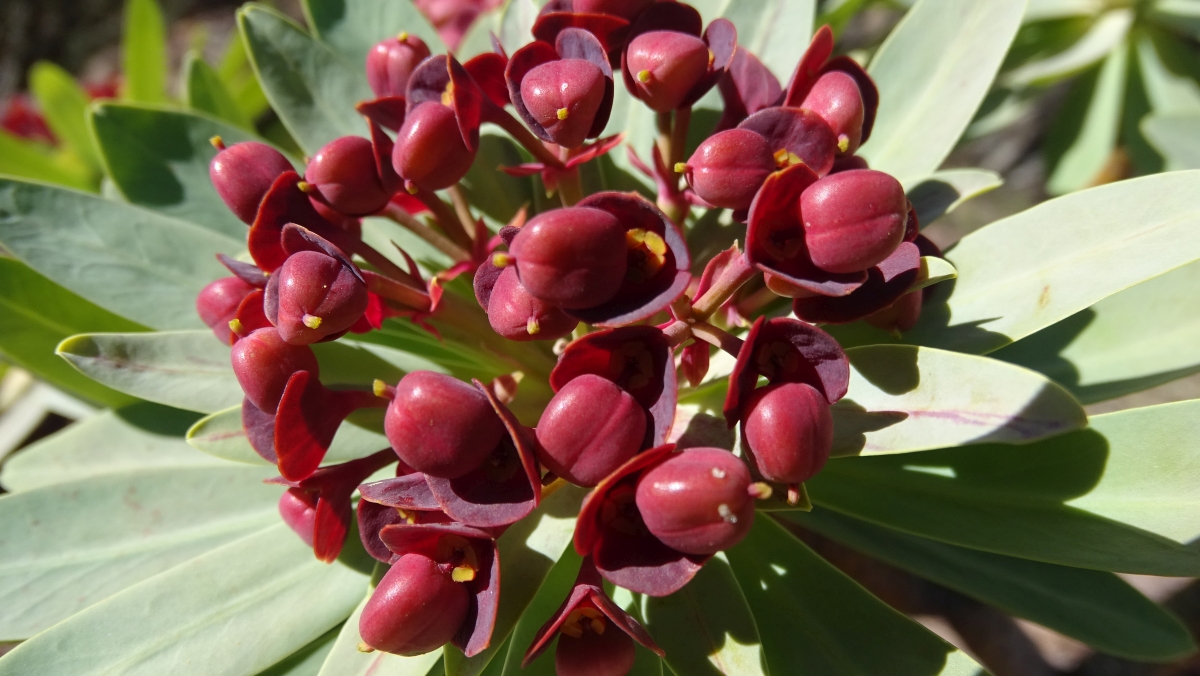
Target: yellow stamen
[[402, 36], [411, 188], [647, 251], [643, 76], [680, 167], [502, 260], [409, 517], [217, 142], [448, 95], [235, 325], [463, 574], [364, 648], [306, 187], [843, 143], [785, 158], [311, 321], [760, 490], [532, 327], [581, 617], [563, 113], [379, 387]]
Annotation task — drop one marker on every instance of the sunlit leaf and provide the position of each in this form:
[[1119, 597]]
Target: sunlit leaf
[[144, 52], [207, 93], [1106, 34], [776, 31], [64, 104], [352, 27], [1082, 139]]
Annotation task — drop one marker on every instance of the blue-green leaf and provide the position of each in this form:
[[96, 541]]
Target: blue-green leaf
[[1105, 35], [144, 52], [306, 661], [776, 31], [205, 92], [220, 435], [1177, 137], [352, 27], [943, 191], [64, 104]]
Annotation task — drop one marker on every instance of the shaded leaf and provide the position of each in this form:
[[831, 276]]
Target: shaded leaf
[[352, 27], [1105, 35], [306, 661], [220, 435], [942, 192], [1177, 137], [1083, 137], [144, 52], [136, 263], [206, 92]]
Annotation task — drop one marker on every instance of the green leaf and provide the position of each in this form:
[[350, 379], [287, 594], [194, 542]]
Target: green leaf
[[943, 191], [220, 435], [1115, 497], [312, 88], [71, 545], [185, 369], [136, 263], [352, 27], [36, 314], [1141, 337], [237, 75], [135, 437], [1097, 608], [905, 398], [38, 162], [1082, 139], [205, 92], [1028, 271], [707, 627], [776, 31], [516, 24], [933, 72], [238, 609], [64, 104], [308, 660], [496, 194], [478, 38], [346, 660], [1106, 34], [528, 550], [554, 590], [1053, 9], [1176, 136], [1169, 72], [632, 118], [144, 52], [158, 158], [815, 620]]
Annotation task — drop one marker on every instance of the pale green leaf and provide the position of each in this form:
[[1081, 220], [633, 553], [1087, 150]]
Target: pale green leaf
[[220, 435], [68, 546], [1141, 337], [776, 31], [1040, 10], [158, 158], [516, 24], [37, 162], [1177, 137], [904, 398], [942, 192], [707, 628], [815, 620], [135, 437], [352, 27], [144, 52], [933, 72], [345, 659], [478, 38], [550, 596], [205, 92], [1105, 35], [238, 609], [933, 270], [312, 88], [1081, 141], [64, 104], [185, 369], [1097, 608], [133, 262], [308, 660], [239, 80], [1169, 73]]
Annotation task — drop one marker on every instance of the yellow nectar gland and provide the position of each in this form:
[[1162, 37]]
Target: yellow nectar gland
[[379, 387], [311, 321], [643, 76], [402, 36], [463, 574], [680, 167], [409, 517], [306, 187], [581, 617], [448, 95], [532, 327], [217, 142], [785, 158], [502, 260], [235, 325], [562, 113], [458, 552], [843, 143], [647, 254]]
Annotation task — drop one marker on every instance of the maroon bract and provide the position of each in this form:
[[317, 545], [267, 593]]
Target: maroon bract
[[795, 136], [587, 625], [391, 62], [590, 428], [344, 174], [572, 258], [418, 607], [835, 97], [611, 530], [308, 417], [885, 283], [853, 220], [813, 66], [729, 167], [263, 362], [747, 87], [608, 20], [516, 314], [286, 204], [667, 63], [905, 311], [318, 507], [564, 93], [462, 553], [243, 173], [788, 430], [697, 501], [405, 499], [441, 426], [217, 304]]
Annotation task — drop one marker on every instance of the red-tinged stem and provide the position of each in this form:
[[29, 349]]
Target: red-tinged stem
[[435, 239], [714, 336], [354, 245], [755, 302], [445, 217], [570, 188], [415, 298], [731, 279], [520, 134], [678, 333], [663, 123], [461, 207]]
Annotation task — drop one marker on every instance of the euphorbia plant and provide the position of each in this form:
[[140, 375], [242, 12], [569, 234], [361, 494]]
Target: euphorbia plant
[[583, 419]]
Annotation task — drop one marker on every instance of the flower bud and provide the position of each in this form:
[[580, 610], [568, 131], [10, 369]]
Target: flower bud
[[789, 431], [836, 98], [590, 427], [344, 174], [600, 649], [429, 148], [665, 65], [441, 426], [515, 314], [853, 219], [243, 173], [263, 362], [416, 608], [218, 303], [391, 62], [564, 97], [729, 167], [574, 258], [298, 508], [319, 296], [697, 501]]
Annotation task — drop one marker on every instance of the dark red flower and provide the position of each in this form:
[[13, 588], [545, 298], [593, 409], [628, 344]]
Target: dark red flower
[[317, 294], [352, 175], [217, 304], [832, 97], [564, 92], [747, 87], [391, 62], [698, 501], [608, 20], [573, 258], [667, 63], [729, 167], [243, 173]]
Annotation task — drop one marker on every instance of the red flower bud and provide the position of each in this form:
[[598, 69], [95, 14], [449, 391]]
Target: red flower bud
[[563, 97], [441, 426], [391, 62], [789, 431], [263, 363], [836, 98], [243, 173], [698, 501], [574, 258], [853, 219], [218, 303], [318, 296], [590, 428], [344, 174], [665, 66], [298, 508], [416, 608], [729, 167], [517, 315], [429, 148]]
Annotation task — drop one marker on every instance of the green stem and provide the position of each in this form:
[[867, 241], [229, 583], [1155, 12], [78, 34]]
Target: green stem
[[445, 217], [521, 135], [679, 133], [435, 239]]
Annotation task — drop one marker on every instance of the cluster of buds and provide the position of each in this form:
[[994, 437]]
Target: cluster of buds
[[605, 283]]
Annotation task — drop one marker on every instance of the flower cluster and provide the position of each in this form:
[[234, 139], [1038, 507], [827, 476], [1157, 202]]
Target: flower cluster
[[610, 270]]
